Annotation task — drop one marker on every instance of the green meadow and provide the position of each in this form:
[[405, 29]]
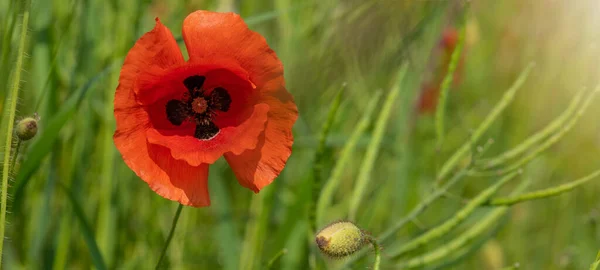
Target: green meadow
[[455, 134]]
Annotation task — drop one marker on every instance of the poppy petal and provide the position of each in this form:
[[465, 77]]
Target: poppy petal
[[212, 35], [258, 167], [172, 179]]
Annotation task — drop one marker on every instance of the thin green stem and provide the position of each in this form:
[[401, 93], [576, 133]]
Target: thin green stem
[[15, 156], [445, 87], [173, 226], [537, 137], [335, 179], [11, 121], [456, 219], [273, 260], [507, 98], [364, 175], [546, 144], [436, 193], [544, 193], [486, 222], [377, 248], [319, 159]]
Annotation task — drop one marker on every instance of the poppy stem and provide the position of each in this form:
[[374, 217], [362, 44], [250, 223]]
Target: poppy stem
[[173, 226]]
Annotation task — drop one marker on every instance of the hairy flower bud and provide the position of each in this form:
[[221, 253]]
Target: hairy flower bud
[[341, 239], [27, 128]]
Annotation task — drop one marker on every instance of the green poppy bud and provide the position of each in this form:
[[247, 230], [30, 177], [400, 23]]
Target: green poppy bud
[[27, 128], [341, 239]]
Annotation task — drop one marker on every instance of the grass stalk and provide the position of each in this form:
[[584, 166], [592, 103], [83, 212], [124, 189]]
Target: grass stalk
[[488, 221], [544, 193], [275, 258], [373, 149], [320, 159], [345, 156], [445, 88], [14, 95], [546, 144], [455, 220], [537, 137], [507, 98]]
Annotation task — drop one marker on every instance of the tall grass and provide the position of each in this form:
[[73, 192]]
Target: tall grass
[[75, 204]]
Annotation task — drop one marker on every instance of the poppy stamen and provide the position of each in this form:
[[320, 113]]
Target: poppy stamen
[[177, 112], [194, 84], [205, 129], [220, 99]]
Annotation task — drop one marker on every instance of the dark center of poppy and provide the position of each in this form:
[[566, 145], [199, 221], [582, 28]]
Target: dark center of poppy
[[198, 107]]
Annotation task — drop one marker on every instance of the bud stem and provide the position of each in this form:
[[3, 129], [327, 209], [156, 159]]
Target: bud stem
[[377, 249], [13, 162]]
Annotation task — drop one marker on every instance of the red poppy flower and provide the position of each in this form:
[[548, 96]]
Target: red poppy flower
[[175, 117]]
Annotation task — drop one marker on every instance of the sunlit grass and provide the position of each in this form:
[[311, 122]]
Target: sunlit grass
[[75, 204]]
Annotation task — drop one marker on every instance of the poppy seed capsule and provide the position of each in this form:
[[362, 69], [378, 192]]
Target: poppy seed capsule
[[341, 239], [26, 128]]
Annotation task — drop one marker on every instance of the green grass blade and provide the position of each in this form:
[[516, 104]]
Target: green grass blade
[[226, 236], [14, 96], [346, 154], [319, 161], [43, 145], [272, 261], [256, 229], [445, 87], [88, 234], [546, 144], [488, 221], [545, 193], [537, 137], [596, 264], [455, 220], [507, 98], [373, 149]]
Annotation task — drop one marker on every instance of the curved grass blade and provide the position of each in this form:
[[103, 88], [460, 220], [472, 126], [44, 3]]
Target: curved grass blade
[[275, 258], [547, 144], [373, 149], [507, 98], [537, 137], [488, 221], [455, 220], [425, 202], [544, 193], [347, 152]]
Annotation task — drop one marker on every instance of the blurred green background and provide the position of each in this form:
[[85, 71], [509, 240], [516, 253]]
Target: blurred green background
[[71, 172]]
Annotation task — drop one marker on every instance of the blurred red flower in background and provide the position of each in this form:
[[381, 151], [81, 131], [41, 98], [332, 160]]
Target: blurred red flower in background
[[430, 90], [175, 117]]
